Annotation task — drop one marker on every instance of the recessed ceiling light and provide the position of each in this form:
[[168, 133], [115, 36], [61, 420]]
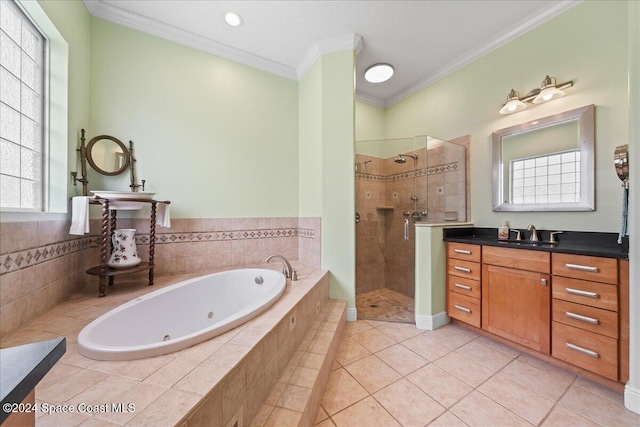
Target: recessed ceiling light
[[378, 73], [233, 19]]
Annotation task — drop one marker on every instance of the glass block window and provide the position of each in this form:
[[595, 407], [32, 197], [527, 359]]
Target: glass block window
[[553, 178], [22, 62]]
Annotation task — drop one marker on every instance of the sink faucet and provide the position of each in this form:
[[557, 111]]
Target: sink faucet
[[534, 233], [287, 269]]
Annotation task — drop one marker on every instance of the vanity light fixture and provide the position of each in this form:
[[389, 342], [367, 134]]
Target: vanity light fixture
[[233, 19], [513, 103], [378, 73], [547, 92]]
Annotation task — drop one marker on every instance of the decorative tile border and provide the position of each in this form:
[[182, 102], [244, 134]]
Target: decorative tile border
[[433, 170], [29, 257]]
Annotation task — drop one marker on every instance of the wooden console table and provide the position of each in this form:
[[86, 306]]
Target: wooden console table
[[108, 227]]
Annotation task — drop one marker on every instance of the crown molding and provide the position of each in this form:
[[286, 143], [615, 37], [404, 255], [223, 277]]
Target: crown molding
[[501, 39], [349, 42], [111, 13], [370, 99]]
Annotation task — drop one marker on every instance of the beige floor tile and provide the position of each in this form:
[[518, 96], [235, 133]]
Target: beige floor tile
[[105, 391], [599, 389], [172, 372], [464, 369], [452, 336], [57, 419], [517, 398], [280, 417], [274, 395], [448, 420], [96, 422], [326, 423], [342, 391], [597, 408], [440, 385], [426, 347], [134, 369], [69, 387], [503, 348], [304, 377], [408, 404], [376, 323], [355, 327], [367, 412], [478, 410], [322, 415], [203, 377], [58, 372], [400, 331], [294, 397], [485, 355], [542, 382], [372, 373], [350, 350], [260, 419], [168, 409], [547, 367], [563, 417], [402, 359], [311, 360], [373, 340]]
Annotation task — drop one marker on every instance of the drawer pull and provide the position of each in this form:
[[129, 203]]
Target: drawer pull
[[582, 318], [581, 267], [463, 269], [582, 293], [462, 251], [461, 308], [465, 287], [583, 350]]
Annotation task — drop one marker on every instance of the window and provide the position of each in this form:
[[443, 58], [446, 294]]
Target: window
[[22, 111], [553, 178]]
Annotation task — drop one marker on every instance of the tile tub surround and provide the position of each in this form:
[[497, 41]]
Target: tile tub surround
[[41, 265], [218, 380]]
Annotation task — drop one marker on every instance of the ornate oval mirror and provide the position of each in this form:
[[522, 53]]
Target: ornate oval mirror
[[107, 155]]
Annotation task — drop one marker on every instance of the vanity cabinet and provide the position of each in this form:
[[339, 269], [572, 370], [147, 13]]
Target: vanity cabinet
[[516, 296], [585, 326], [463, 282]]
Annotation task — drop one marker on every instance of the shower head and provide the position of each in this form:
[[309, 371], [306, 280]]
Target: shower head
[[402, 158]]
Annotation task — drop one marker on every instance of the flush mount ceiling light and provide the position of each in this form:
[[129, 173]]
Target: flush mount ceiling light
[[547, 92], [233, 19], [513, 103], [378, 73]]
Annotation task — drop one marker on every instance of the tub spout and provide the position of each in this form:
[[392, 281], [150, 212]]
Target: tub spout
[[287, 269]]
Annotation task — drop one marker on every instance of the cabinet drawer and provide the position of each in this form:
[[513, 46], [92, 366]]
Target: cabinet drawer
[[464, 308], [595, 294], [517, 258], [592, 319], [463, 251], [596, 269], [463, 286], [593, 352], [460, 268]]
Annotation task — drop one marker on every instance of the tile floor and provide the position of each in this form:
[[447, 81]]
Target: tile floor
[[392, 374], [385, 304]]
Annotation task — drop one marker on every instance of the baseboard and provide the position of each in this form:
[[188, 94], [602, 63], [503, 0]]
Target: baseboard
[[632, 398], [352, 314], [430, 323]]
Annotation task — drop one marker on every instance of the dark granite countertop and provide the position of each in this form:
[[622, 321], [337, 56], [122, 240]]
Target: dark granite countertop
[[23, 366], [569, 242]]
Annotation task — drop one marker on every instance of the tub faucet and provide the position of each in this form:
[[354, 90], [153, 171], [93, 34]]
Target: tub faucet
[[287, 269], [534, 233]]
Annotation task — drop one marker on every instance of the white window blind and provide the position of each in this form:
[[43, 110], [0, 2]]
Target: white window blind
[[22, 72], [553, 178]]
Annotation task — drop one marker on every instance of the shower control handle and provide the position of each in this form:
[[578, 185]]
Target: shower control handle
[[406, 229]]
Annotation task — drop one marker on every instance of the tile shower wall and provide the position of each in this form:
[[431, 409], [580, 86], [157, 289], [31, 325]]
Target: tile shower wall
[[41, 265]]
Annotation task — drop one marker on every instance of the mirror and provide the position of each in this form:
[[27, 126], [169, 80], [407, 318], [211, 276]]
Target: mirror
[[546, 164], [107, 155]]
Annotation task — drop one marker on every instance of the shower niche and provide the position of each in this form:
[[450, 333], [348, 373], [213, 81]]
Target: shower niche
[[400, 182]]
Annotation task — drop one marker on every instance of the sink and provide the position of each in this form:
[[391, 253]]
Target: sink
[[123, 204]]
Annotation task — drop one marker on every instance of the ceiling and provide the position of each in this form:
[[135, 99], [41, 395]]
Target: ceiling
[[423, 40]]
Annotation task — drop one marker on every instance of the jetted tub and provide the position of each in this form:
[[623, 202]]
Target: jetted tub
[[180, 315]]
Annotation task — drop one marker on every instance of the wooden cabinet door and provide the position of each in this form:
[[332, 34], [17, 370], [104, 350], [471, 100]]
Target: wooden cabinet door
[[516, 305]]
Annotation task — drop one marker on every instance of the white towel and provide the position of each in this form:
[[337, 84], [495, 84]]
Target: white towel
[[163, 216], [79, 215]]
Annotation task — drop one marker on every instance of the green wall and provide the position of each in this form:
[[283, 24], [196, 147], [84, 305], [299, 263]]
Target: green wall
[[217, 138], [587, 44]]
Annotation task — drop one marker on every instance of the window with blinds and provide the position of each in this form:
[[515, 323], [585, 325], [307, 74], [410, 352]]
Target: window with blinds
[[22, 111]]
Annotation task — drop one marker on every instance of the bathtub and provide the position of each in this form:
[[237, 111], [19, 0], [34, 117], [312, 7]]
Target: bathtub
[[180, 315]]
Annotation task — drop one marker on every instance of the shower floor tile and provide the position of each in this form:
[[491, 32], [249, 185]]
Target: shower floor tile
[[387, 305]]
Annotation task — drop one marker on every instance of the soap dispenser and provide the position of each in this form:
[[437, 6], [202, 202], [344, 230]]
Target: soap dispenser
[[503, 231]]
